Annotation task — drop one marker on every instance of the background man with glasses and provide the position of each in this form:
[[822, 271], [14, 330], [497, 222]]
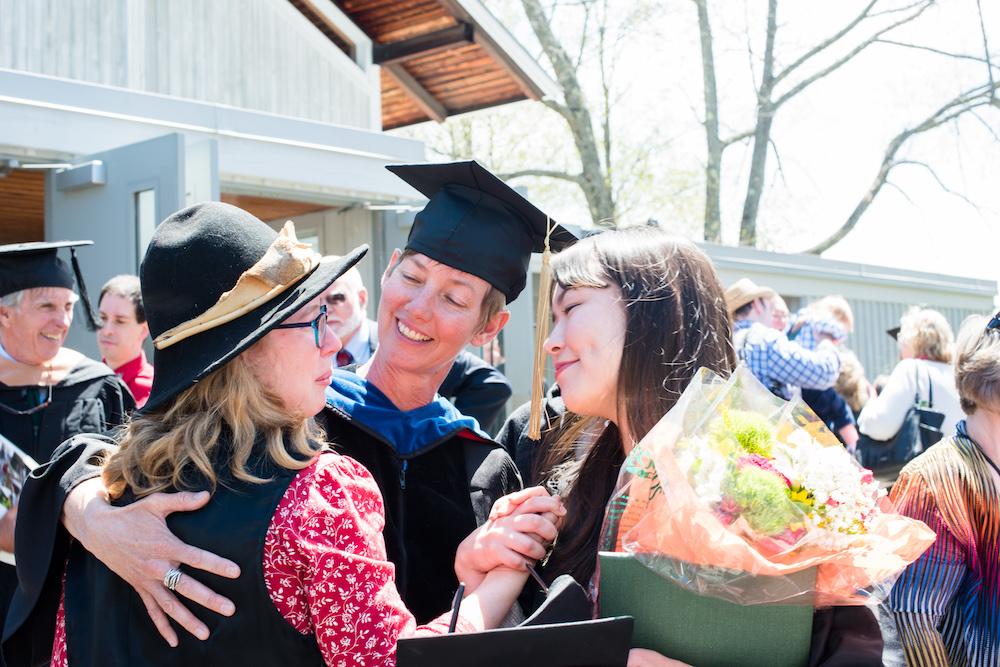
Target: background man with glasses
[[48, 393]]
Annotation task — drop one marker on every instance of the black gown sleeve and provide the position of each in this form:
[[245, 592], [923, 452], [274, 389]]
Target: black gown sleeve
[[478, 389], [530, 454], [41, 546]]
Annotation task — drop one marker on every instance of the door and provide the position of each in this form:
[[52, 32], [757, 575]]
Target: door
[[115, 199]]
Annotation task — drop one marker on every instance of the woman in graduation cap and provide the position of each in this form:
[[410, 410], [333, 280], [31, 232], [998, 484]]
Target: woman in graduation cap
[[243, 359], [466, 258]]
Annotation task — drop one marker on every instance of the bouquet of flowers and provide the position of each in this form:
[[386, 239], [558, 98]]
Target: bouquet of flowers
[[735, 483]]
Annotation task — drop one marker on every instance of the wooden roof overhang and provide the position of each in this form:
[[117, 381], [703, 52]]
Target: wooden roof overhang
[[439, 58]]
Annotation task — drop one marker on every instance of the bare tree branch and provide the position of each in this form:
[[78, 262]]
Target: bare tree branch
[[938, 179], [802, 85], [777, 158], [713, 169], [825, 44], [918, 47], [765, 114], [559, 108], [745, 134], [986, 124], [954, 108], [901, 191], [595, 186], [986, 49]]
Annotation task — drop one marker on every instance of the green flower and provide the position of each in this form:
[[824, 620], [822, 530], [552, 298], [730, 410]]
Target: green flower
[[763, 499], [753, 431]]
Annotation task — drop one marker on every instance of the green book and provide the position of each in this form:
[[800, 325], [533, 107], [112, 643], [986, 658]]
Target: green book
[[700, 630]]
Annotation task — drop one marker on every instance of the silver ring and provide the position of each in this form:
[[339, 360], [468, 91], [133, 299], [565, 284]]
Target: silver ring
[[172, 578]]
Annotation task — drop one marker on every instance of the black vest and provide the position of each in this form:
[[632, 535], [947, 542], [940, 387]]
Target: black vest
[[107, 624]]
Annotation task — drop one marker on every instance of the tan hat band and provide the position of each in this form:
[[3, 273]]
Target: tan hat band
[[285, 263]]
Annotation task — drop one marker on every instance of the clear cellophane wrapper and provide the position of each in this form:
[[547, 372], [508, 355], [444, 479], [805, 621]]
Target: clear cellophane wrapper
[[667, 516]]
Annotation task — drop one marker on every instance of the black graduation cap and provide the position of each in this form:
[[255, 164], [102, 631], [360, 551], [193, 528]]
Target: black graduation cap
[[37, 264], [476, 223], [894, 332]]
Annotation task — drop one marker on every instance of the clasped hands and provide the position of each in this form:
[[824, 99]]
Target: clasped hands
[[521, 527]]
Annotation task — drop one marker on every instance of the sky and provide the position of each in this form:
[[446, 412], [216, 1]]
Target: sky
[[829, 140]]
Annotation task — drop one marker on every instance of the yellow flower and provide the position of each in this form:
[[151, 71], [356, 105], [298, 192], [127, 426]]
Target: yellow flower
[[802, 496]]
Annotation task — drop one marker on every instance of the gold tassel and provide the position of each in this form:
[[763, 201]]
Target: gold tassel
[[541, 333]]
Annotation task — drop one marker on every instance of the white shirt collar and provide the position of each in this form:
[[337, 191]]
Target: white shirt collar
[[358, 346], [5, 355]]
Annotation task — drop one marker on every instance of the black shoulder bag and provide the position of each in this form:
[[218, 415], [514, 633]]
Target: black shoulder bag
[[921, 428]]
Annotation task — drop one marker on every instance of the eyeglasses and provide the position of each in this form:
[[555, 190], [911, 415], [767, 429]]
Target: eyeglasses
[[30, 411], [318, 325], [994, 323]]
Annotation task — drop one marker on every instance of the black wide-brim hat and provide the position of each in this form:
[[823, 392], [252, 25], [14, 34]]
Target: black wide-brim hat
[[215, 280]]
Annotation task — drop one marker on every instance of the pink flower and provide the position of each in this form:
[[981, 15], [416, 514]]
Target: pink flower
[[761, 462], [728, 510], [866, 476]]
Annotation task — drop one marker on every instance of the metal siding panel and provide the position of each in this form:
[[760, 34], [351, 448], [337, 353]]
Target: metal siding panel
[[256, 54]]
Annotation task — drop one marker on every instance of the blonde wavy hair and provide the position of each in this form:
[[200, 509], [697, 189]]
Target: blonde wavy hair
[[851, 383], [174, 447], [928, 333]]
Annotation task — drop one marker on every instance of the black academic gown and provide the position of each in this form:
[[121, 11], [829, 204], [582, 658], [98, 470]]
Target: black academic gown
[[437, 490], [90, 399]]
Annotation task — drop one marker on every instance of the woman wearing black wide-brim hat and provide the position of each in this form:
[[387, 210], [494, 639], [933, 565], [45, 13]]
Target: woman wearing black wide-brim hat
[[242, 361]]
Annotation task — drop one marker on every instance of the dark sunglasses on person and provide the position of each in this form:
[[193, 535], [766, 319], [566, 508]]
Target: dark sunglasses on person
[[30, 411], [318, 325], [994, 323]]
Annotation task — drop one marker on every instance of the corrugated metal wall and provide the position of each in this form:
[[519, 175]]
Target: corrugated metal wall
[[878, 295], [875, 348], [255, 54]]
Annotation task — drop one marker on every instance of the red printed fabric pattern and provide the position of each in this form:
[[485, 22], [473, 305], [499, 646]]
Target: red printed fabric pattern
[[326, 570]]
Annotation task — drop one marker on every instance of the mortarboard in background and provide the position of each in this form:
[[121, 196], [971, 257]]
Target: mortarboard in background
[[37, 264], [476, 223]]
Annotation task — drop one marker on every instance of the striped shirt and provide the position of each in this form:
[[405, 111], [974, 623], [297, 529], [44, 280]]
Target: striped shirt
[[947, 603]]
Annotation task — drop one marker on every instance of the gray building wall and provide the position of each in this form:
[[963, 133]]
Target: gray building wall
[[261, 55]]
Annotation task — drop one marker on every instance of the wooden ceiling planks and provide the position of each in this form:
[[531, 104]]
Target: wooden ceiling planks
[[22, 206], [462, 78], [267, 209], [387, 21]]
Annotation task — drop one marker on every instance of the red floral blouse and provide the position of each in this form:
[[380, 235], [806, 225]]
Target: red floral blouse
[[326, 570]]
